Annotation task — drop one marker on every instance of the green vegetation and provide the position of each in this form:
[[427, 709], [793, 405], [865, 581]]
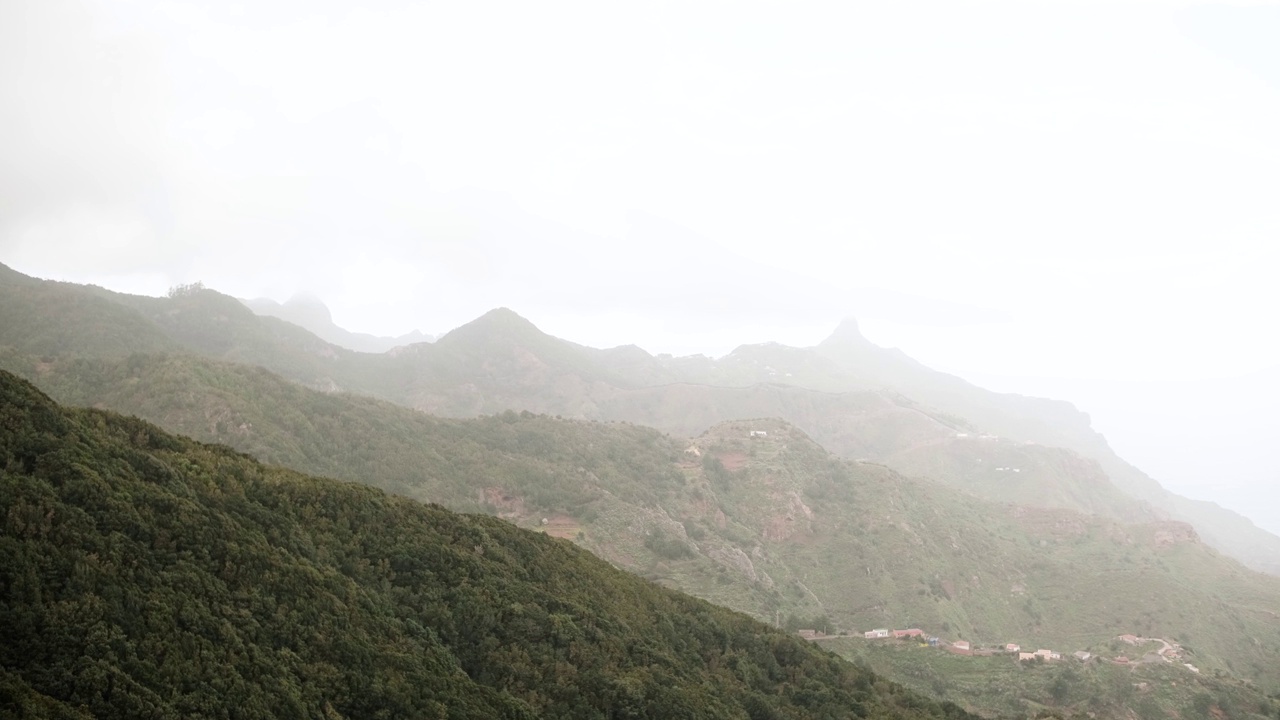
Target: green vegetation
[[1000, 685], [856, 399], [772, 526], [788, 531], [44, 318], [150, 576]]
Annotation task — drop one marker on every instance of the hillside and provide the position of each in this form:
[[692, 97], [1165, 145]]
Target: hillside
[[1096, 687], [150, 576], [45, 318], [1050, 423], [827, 390], [773, 526], [859, 400], [501, 361]]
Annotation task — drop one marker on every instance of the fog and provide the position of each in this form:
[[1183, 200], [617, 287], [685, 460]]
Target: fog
[[1074, 200]]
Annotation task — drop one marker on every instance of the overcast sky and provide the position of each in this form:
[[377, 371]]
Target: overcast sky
[[1079, 200]]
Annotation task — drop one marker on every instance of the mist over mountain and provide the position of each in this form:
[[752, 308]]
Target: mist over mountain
[[788, 360], [770, 525], [931, 519], [309, 312], [859, 400]]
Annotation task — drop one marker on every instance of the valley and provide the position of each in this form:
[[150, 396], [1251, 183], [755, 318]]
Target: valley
[[845, 503]]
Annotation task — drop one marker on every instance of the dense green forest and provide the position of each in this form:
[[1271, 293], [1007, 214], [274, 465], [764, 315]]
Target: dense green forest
[[144, 575]]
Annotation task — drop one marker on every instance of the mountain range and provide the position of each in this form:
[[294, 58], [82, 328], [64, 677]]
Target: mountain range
[[922, 517], [854, 398]]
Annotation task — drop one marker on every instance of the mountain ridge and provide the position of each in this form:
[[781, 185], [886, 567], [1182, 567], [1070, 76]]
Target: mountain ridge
[[489, 370], [310, 313], [757, 550]]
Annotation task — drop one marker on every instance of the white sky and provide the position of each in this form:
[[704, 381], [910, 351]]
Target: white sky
[[1079, 200]]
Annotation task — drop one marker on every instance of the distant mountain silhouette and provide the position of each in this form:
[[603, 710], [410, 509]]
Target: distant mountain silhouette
[[311, 313]]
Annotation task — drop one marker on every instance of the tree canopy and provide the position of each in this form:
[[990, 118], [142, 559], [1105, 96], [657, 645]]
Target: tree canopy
[[147, 575]]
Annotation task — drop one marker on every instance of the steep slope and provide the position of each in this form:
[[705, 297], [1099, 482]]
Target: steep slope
[[1046, 422], [1021, 473], [44, 318], [544, 374], [771, 525], [147, 575], [880, 550]]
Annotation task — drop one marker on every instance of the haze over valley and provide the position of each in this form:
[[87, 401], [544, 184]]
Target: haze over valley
[[989, 519], [572, 360]]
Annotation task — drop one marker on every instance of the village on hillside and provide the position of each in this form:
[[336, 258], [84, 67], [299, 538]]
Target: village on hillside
[[1169, 652]]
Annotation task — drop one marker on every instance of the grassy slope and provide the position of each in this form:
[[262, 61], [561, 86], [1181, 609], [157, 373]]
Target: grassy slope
[[150, 576]]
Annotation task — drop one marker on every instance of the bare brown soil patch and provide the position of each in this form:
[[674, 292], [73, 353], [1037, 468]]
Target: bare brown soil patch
[[562, 526], [506, 505], [733, 461]]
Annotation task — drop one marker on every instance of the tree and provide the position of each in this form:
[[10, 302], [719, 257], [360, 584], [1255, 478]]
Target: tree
[[186, 290]]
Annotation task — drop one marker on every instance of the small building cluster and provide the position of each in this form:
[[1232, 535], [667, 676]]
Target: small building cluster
[[1168, 653]]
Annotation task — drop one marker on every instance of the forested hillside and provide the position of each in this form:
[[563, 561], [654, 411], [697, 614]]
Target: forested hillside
[[146, 575], [773, 526]]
